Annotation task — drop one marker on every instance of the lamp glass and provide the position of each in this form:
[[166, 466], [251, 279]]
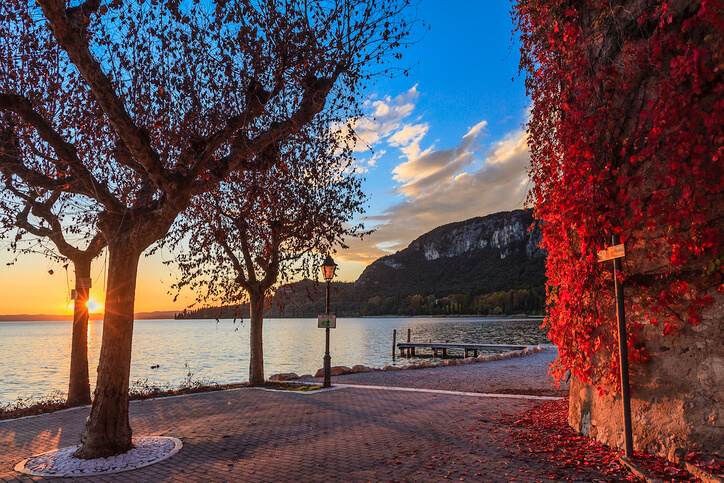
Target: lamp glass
[[328, 268]]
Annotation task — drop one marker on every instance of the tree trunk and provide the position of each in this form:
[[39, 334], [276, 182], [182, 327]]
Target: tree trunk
[[256, 353], [79, 386], [107, 431]]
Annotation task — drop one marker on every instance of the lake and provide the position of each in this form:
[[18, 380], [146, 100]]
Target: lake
[[35, 356]]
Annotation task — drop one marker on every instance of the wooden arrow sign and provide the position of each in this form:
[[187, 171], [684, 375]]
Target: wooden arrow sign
[[614, 251]]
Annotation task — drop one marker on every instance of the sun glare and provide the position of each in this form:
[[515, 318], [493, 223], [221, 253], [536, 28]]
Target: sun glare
[[93, 306]]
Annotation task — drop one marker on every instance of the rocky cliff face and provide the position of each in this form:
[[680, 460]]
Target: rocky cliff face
[[491, 253], [503, 231]]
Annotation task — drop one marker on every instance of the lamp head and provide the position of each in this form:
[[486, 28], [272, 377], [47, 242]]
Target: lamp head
[[328, 268]]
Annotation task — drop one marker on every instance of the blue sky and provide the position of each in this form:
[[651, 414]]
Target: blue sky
[[448, 141]]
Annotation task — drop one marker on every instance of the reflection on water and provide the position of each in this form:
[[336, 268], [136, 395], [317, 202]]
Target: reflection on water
[[35, 356]]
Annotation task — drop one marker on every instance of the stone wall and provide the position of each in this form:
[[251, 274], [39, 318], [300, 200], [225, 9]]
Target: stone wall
[[677, 398]]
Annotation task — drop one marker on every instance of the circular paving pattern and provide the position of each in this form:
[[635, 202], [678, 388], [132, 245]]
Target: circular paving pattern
[[147, 451]]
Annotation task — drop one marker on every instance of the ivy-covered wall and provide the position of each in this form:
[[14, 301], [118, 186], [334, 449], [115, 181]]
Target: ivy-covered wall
[[627, 138], [677, 396]]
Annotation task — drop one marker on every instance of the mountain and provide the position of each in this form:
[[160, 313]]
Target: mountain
[[485, 265], [486, 254]]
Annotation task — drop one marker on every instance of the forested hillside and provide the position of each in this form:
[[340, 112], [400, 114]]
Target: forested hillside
[[486, 265]]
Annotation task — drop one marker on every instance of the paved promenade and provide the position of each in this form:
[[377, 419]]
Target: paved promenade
[[519, 375], [348, 433]]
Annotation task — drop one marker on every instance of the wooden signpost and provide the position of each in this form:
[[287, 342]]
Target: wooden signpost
[[81, 283], [612, 252], [615, 253]]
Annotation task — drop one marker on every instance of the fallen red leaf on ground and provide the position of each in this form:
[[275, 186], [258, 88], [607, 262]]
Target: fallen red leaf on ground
[[543, 433]]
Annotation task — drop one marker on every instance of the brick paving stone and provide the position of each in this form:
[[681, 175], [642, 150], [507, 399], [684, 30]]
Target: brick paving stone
[[349, 434]]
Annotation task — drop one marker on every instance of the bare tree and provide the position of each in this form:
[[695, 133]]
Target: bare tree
[[145, 105], [258, 228]]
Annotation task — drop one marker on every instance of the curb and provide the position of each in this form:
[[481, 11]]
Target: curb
[[637, 470], [701, 473]]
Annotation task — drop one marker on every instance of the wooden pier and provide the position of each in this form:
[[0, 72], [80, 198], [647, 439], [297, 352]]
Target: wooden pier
[[408, 348]]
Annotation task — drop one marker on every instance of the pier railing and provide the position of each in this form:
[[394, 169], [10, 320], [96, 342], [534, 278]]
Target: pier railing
[[409, 348]]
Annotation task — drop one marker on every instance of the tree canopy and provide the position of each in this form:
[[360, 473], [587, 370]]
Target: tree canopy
[[259, 228], [140, 106]]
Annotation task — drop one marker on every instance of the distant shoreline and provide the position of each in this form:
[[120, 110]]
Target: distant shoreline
[[169, 315], [161, 314]]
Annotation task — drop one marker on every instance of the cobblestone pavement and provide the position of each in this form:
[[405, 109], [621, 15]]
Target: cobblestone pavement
[[345, 434]]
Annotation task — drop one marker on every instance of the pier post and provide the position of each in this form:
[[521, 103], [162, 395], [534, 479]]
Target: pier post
[[394, 342]]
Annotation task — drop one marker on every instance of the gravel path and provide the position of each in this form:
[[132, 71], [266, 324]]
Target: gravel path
[[521, 375]]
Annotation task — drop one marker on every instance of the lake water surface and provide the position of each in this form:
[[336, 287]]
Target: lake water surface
[[35, 356]]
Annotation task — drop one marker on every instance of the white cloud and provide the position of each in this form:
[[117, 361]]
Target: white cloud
[[475, 130], [447, 185], [385, 119], [409, 134], [372, 162], [436, 186], [426, 170]]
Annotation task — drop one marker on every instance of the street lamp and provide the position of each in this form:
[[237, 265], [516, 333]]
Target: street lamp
[[328, 269]]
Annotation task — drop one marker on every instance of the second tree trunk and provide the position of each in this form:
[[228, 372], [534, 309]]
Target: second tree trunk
[[256, 351], [79, 386]]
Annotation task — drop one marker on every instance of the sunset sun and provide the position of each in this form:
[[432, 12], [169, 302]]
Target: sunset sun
[[94, 306]]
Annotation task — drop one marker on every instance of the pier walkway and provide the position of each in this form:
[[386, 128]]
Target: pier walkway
[[409, 348]]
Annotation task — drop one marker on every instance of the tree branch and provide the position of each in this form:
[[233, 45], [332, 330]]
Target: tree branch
[[256, 99], [70, 29], [244, 148], [81, 182], [42, 209], [272, 270], [244, 240]]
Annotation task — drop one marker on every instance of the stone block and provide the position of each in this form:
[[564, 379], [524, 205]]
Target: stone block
[[284, 376], [360, 368]]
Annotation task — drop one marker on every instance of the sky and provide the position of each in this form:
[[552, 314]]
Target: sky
[[447, 144]]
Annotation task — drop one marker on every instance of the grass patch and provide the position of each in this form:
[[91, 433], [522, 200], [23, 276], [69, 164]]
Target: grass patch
[[289, 386], [30, 406]]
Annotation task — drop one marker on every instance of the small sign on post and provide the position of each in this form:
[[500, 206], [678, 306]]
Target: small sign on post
[[609, 253], [327, 321], [83, 283]]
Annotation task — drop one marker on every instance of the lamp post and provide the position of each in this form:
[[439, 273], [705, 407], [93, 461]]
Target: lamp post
[[328, 269]]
